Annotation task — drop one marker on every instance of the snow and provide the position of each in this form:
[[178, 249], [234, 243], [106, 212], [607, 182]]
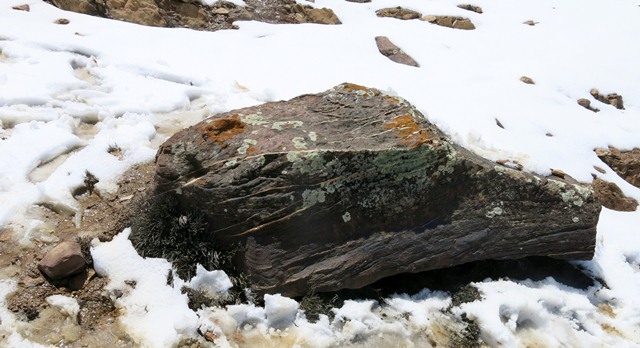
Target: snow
[[67, 305], [69, 93]]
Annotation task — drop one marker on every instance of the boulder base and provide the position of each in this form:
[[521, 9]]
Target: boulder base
[[342, 188]]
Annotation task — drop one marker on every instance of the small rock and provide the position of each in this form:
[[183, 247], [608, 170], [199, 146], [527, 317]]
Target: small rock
[[210, 336], [398, 13], [62, 21], [499, 124], [393, 52], [450, 22], [527, 80], [558, 172], [24, 7], [611, 196], [321, 16], [530, 22], [613, 99], [586, 103], [600, 170], [468, 7], [221, 11], [62, 261]]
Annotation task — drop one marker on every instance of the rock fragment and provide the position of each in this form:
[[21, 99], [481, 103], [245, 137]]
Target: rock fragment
[[586, 103], [468, 7], [624, 163], [24, 7], [393, 52], [527, 80], [398, 13], [63, 261], [450, 22], [612, 197], [613, 99]]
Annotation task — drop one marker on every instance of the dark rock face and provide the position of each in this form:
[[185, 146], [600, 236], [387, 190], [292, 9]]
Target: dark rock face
[[63, 261], [342, 188]]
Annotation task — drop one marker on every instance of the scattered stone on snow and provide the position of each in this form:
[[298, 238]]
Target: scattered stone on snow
[[359, 1], [624, 163], [530, 22], [24, 7], [613, 99], [469, 7], [499, 124], [527, 80], [558, 172], [586, 103], [612, 197], [63, 261], [599, 170], [393, 52], [321, 16], [450, 22], [398, 13], [62, 21], [342, 188]]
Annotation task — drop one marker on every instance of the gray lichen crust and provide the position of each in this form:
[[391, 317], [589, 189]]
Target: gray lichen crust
[[341, 188]]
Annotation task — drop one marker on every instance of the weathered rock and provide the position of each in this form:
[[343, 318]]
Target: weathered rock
[[359, 1], [321, 16], [342, 188], [611, 196], [398, 13], [84, 7], [62, 21], [468, 7], [450, 22], [527, 80], [63, 261], [624, 163], [195, 15], [530, 22], [613, 99], [586, 103], [393, 52], [24, 7]]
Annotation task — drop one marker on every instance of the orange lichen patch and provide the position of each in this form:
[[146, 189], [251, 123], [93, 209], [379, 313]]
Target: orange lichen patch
[[252, 150], [411, 133], [222, 130]]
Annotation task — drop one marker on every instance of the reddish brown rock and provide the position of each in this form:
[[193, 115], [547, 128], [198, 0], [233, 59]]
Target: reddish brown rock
[[624, 163], [24, 7], [342, 188], [63, 261], [612, 197], [393, 52]]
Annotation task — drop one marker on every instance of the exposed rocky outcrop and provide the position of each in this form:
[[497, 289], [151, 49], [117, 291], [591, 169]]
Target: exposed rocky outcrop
[[586, 103], [398, 13], [194, 15], [625, 163], [342, 188], [450, 22], [393, 52]]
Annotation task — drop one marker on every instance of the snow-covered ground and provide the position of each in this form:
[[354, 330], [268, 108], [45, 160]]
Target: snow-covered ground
[[70, 92]]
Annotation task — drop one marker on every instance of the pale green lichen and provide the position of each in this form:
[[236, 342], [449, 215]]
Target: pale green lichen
[[312, 197], [299, 143], [313, 136], [253, 119], [230, 163], [575, 219], [346, 217], [495, 211], [571, 197], [280, 125], [246, 144]]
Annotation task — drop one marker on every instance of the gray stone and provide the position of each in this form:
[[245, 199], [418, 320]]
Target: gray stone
[[342, 188], [63, 261]]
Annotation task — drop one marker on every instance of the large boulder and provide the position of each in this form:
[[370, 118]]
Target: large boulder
[[342, 188]]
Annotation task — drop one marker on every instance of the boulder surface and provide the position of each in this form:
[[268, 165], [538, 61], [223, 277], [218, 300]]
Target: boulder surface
[[342, 188]]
